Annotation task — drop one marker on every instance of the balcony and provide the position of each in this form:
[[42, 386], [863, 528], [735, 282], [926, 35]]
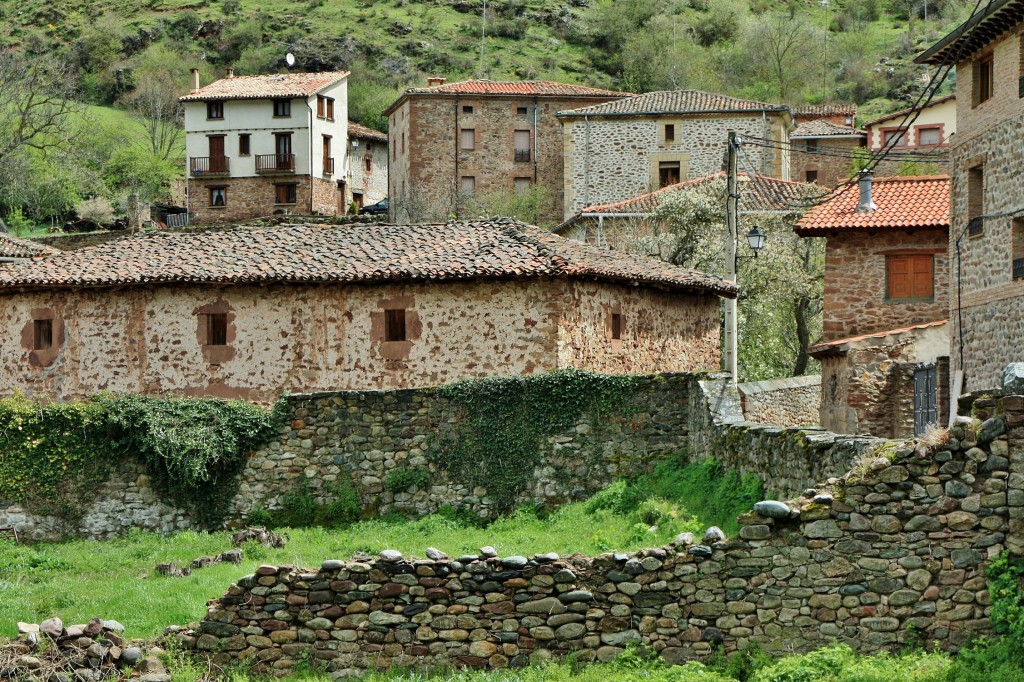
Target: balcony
[[522, 155], [209, 166], [275, 163], [329, 165]]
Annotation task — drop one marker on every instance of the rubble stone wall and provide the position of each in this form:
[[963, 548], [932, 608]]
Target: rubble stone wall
[[792, 401]]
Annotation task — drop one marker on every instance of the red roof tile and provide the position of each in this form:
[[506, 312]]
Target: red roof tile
[[499, 248], [527, 88], [822, 128], [363, 133], [836, 347], [815, 110], [266, 86], [672, 102], [902, 203], [13, 247], [904, 112]]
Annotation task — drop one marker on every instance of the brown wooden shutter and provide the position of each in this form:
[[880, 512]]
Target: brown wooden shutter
[[899, 276], [922, 277]]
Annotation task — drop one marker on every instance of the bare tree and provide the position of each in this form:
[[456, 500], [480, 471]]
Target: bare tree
[[157, 109], [36, 100], [782, 47]]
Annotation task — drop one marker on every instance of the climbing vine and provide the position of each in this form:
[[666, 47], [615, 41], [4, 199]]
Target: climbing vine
[[497, 434]]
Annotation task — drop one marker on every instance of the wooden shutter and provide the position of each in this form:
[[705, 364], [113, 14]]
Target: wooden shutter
[[910, 276], [921, 276]]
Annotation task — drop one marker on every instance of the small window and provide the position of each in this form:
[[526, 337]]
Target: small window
[[521, 143], [468, 185], [668, 173], [42, 334], [244, 140], [522, 186], [321, 106], [403, 143], [467, 109], [811, 146], [983, 80], [215, 110], [975, 200], [929, 137], [909, 277], [1018, 248], [284, 194], [216, 329], [218, 196], [616, 326], [670, 132], [394, 324], [468, 138], [368, 163], [282, 108], [894, 138], [522, 111], [330, 109], [811, 176]]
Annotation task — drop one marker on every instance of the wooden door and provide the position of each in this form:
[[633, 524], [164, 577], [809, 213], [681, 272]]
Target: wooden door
[[218, 160]]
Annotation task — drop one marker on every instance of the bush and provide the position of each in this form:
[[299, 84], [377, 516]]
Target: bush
[[96, 210], [300, 509], [403, 479]]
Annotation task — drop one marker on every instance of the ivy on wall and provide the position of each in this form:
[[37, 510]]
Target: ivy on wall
[[497, 438], [53, 455]]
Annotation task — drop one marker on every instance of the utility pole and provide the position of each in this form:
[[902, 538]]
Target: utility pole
[[731, 211]]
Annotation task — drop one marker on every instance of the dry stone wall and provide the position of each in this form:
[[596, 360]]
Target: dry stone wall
[[894, 551], [792, 401]]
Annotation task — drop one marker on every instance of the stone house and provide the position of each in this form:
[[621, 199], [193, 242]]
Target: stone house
[[367, 165], [624, 148], [886, 280], [451, 142], [837, 114], [923, 136], [254, 312], [272, 143], [986, 241], [820, 151]]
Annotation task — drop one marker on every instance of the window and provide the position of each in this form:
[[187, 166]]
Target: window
[[328, 159], [42, 334], [811, 146], [284, 193], [216, 329], [357, 199], [983, 81], [218, 196], [394, 150], [215, 110], [394, 324], [521, 142], [975, 200], [895, 138], [909, 277], [1018, 247], [810, 176], [282, 108], [927, 137], [616, 326], [467, 140], [325, 107], [367, 163], [467, 109], [522, 111], [522, 186], [468, 185], [403, 143], [670, 132], [330, 109], [244, 148], [1020, 71], [668, 173]]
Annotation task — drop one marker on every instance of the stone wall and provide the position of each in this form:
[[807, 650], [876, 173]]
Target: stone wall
[[372, 183], [894, 553], [793, 401], [614, 159], [248, 198], [832, 163]]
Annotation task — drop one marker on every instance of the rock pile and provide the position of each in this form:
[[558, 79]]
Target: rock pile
[[263, 536], [233, 556], [93, 651]]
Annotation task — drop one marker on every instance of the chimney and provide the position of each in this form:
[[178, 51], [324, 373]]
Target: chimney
[[435, 80], [229, 72], [195, 81], [866, 205]]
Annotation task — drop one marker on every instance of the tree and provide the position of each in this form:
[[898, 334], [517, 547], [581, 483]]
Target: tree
[[161, 75], [781, 48], [37, 98]]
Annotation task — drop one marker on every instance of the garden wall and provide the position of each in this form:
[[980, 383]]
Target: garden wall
[[792, 401], [892, 553]]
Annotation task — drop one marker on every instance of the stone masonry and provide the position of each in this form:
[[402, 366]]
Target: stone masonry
[[246, 198], [792, 401]]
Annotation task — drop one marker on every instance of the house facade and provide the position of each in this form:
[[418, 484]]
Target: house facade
[[820, 151], [920, 138], [254, 312], [367, 165], [258, 145], [628, 147], [986, 242], [453, 143]]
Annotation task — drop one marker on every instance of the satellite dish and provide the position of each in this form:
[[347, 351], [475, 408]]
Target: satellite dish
[[289, 59]]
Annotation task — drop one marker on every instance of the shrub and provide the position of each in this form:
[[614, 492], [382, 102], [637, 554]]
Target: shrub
[[96, 210], [403, 479], [300, 508]]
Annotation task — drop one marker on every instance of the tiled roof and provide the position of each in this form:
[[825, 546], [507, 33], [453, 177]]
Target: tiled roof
[[363, 133], [499, 248], [672, 102], [12, 247], [762, 194], [902, 203], [823, 128], [526, 88], [840, 346], [266, 86], [812, 110], [904, 112]]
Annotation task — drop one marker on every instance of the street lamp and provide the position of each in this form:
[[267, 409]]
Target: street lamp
[[755, 239]]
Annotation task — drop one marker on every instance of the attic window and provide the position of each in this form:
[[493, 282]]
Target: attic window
[[215, 110], [811, 146], [522, 111], [983, 80], [467, 109], [42, 334], [394, 324], [282, 108]]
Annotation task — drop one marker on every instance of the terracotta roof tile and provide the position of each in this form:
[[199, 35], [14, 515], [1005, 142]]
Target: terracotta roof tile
[[902, 203], [812, 110], [363, 133], [764, 194], [499, 248], [836, 347], [823, 128], [904, 112], [672, 102], [528, 88], [13, 247], [266, 86]]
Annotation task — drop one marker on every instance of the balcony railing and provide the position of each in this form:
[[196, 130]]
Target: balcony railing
[[975, 226], [275, 163], [329, 165], [209, 165], [522, 155], [1018, 268]]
